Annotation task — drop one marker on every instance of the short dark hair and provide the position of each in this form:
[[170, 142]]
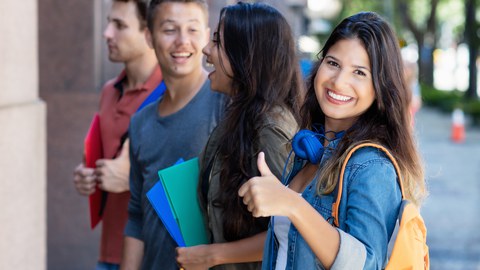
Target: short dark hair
[[155, 3], [142, 6]]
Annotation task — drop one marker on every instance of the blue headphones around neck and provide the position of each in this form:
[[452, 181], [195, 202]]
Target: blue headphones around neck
[[308, 144]]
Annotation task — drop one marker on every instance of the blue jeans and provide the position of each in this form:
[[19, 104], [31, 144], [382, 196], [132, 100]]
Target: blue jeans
[[107, 266]]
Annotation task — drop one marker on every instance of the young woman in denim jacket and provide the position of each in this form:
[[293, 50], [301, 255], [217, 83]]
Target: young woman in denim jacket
[[254, 61], [357, 93]]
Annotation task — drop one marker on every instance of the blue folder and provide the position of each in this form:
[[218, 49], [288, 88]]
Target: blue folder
[[158, 198], [180, 184], [174, 198]]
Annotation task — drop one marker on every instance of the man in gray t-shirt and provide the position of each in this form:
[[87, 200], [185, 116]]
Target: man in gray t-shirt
[[157, 142], [177, 126]]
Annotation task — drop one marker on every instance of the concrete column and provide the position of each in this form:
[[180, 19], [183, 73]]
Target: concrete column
[[22, 141]]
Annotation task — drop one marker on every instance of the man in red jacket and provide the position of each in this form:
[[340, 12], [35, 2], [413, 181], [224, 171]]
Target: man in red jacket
[[120, 99]]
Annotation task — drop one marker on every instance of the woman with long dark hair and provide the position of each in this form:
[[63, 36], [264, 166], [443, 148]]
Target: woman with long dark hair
[[254, 59], [356, 94]]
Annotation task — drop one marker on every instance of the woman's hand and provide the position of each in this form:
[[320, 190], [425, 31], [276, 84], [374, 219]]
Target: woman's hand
[[265, 195], [196, 257]]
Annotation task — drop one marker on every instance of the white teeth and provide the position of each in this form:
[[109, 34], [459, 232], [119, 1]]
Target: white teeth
[[185, 54], [209, 64], [338, 97]]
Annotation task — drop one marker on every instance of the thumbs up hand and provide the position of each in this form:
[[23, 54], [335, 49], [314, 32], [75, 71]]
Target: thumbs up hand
[[265, 195]]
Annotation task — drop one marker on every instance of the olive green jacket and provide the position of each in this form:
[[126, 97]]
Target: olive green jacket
[[274, 140]]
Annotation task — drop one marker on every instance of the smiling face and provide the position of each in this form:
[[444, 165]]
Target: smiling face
[[125, 38], [344, 84], [178, 35], [221, 76]]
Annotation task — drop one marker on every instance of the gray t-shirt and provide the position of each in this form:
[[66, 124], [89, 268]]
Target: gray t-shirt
[[156, 143]]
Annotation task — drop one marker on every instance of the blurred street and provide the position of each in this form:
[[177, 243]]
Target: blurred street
[[451, 212]]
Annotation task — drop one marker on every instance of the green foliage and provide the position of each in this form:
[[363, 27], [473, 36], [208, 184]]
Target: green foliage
[[419, 11], [351, 7], [472, 107], [449, 11], [446, 101]]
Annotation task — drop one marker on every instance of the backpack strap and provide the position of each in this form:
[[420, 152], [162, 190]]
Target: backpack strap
[[336, 204]]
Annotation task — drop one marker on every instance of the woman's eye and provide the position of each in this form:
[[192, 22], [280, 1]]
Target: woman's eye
[[215, 38], [333, 63], [359, 72]]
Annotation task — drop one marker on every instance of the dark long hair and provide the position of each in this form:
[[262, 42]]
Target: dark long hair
[[261, 50], [388, 119]]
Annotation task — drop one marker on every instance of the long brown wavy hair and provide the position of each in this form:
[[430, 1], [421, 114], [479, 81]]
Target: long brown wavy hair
[[388, 120]]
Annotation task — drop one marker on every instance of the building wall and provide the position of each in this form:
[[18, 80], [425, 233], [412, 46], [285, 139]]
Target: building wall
[[22, 141], [65, 45], [67, 84]]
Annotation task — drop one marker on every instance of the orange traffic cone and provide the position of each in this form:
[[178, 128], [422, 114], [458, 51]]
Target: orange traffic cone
[[458, 126]]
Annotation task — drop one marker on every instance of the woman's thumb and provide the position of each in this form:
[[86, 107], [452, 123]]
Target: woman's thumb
[[262, 165]]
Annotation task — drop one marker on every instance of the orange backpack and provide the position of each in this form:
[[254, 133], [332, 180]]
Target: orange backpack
[[410, 250]]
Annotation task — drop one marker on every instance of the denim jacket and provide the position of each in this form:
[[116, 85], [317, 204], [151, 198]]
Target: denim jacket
[[368, 212]]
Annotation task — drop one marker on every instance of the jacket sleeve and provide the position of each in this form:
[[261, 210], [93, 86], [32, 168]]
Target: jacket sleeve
[[370, 207], [274, 142]]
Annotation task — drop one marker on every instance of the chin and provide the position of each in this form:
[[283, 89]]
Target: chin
[[114, 59], [214, 87], [220, 90]]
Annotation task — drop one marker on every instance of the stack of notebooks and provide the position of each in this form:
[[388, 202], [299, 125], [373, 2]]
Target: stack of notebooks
[[174, 198]]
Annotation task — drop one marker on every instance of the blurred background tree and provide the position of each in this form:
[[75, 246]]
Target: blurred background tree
[[472, 39]]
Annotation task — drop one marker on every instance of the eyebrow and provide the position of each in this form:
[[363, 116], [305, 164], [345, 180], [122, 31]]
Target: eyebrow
[[173, 21], [355, 66], [110, 19]]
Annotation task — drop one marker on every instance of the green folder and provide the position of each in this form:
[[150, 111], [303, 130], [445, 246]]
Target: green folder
[[180, 183]]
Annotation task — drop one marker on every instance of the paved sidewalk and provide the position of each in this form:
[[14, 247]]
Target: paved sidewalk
[[452, 211]]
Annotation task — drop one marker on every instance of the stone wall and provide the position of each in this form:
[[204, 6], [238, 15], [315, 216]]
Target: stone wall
[[22, 141]]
